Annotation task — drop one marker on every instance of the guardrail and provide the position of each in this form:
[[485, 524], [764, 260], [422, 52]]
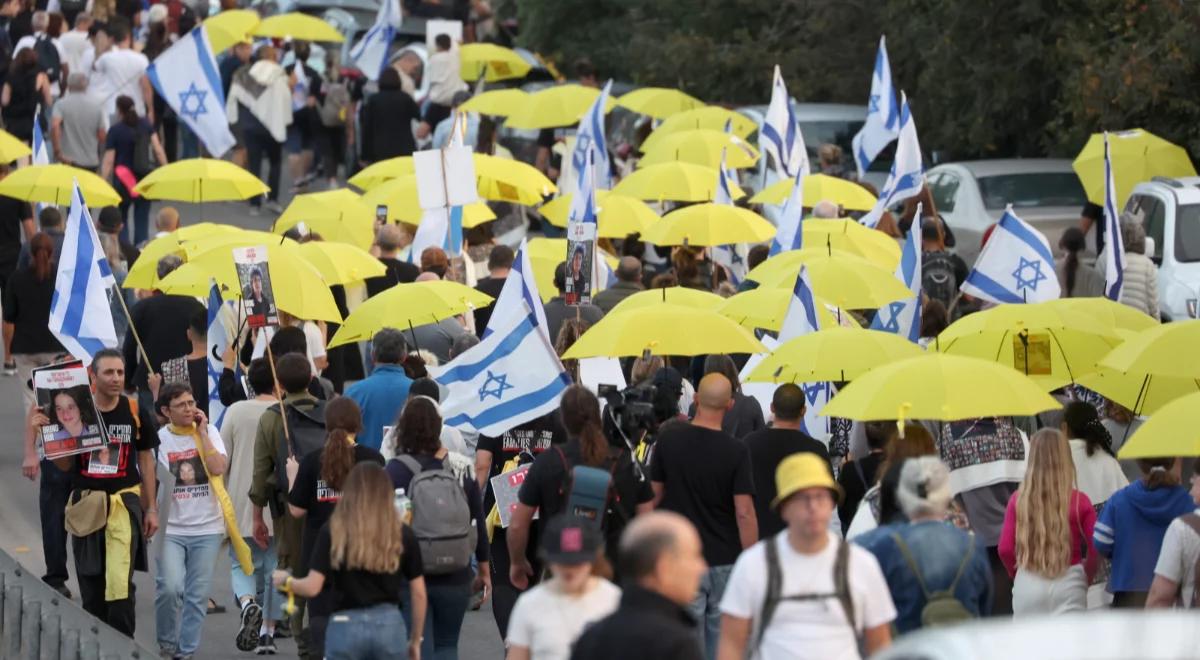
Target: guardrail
[[37, 623]]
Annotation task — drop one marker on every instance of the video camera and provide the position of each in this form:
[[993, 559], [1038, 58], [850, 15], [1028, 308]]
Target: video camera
[[629, 414]]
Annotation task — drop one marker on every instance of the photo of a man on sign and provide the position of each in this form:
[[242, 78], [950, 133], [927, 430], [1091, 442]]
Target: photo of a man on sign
[[258, 300], [581, 247]]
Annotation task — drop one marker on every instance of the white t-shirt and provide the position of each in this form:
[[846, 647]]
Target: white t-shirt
[[547, 622], [74, 46], [119, 73], [194, 508], [815, 629], [313, 340], [1177, 559]]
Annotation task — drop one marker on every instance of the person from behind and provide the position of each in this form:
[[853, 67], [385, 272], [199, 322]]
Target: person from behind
[[1139, 286], [942, 271], [78, 126], [382, 394], [879, 505], [858, 475], [1175, 574], [558, 311], [746, 416], [1075, 279], [123, 165], [629, 282], [500, 262], [444, 81]]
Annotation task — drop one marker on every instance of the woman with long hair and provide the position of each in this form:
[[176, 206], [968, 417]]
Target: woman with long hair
[[121, 164], [1046, 541], [1075, 279], [366, 556], [315, 492], [25, 88], [879, 505], [27, 297]]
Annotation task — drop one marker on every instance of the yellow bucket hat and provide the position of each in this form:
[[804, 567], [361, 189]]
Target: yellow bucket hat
[[801, 471]]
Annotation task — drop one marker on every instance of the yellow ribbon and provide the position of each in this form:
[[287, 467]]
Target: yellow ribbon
[[118, 536], [900, 417], [240, 549]]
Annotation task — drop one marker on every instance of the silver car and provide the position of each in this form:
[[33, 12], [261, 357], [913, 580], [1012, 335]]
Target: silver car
[[971, 197]]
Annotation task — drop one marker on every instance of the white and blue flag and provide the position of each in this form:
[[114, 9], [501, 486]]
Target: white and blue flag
[[883, 116], [591, 147], [731, 256], [801, 319], [903, 317], [80, 316], [1114, 252], [186, 77], [370, 53], [520, 286], [41, 154], [509, 378], [790, 233], [780, 133], [441, 228], [1015, 266], [217, 343], [907, 176]]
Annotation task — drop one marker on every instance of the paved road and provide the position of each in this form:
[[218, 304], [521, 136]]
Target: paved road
[[21, 535]]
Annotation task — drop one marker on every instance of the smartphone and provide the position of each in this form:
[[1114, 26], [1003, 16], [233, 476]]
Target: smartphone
[[381, 214]]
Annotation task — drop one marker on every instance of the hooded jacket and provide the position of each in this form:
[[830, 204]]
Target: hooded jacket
[[264, 90], [1131, 528]]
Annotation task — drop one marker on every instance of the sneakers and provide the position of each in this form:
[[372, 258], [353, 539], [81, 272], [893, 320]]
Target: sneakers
[[266, 645], [10, 368], [247, 637], [273, 206]]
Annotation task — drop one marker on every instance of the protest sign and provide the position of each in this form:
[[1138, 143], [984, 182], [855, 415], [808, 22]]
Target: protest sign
[[506, 485], [445, 177], [65, 397], [581, 252], [254, 277]]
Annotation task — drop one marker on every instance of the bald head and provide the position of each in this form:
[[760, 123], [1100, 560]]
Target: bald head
[[661, 552], [167, 219], [825, 209], [629, 270], [715, 392]]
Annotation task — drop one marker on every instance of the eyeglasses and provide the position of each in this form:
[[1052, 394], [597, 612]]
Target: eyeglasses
[[809, 499], [184, 405]]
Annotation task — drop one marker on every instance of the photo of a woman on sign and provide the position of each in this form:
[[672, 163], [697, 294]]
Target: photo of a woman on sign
[[258, 300], [71, 416], [72, 423]]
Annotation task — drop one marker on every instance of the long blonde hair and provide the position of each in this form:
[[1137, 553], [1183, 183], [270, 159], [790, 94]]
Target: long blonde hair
[[1043, 506], [365, 530]]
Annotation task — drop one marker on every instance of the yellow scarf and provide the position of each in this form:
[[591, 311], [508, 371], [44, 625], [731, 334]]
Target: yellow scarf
[[240, 549], [118, 535]]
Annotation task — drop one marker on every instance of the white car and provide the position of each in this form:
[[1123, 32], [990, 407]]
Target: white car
[[1169, 209], [972, 195]]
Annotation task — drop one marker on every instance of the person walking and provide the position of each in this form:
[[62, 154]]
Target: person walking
[[1140, 284], [879, 505], [387, 120], [390, 239], [363, 558], [550, 617], [704, 474], [629, 282], [121, 71], [78, 126], [161, 322], [746, 416], [382, 394], [1175, 574], [499, 263], [126, 161], [558, 311], [26, 87], [807, 592], [858, 475], [1074, 278], [259, 104]]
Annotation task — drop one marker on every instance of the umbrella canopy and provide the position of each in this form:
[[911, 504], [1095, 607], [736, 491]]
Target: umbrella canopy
[[675, 181], [340, 263], [1142, 394], [709, 224], [659, 102], [229, 27], [1138, 155], [819, 187], [144, 272], [400, 197], [546, 254], [12, 148], [836, 354], [712, 117], [561, 105], [299, 27], [617, 215], [494, 62], [1111, 314], [657, 329], [936, 386], [850, 236], [1162, 350], [766, 307], [498, 179], [53, 184], [496, 102], [406, 306], [337, 215], [673, 295], [701, 147], [1172, 431], [841, 278], [198, 180]]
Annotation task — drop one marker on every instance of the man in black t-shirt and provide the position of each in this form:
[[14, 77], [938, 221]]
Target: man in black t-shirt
[[390, 239], [704, 474], [161, 322], [500, 261], [16, 217]]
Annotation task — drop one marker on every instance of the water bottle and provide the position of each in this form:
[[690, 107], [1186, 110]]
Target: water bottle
[[403, 505]]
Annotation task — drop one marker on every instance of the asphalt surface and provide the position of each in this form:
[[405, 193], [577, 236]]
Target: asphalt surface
[[21, 535]]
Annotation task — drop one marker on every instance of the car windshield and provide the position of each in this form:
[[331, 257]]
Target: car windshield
[[1031, 190], [1187, 233]]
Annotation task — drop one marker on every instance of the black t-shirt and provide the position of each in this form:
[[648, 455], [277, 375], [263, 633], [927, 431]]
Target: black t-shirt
[[27, 307], [354, 589], [856, 478], [531, 438], [547, 485], [12, 213], [115, 467], [311, 493], [161, 322], [492, 287], [701, 470], [398, 272], [768, 448]]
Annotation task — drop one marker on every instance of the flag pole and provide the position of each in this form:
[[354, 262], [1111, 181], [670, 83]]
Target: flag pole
[[133, 330], [287, 437]]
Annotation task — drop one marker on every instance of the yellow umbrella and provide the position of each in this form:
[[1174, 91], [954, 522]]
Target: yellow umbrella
[[337, 215], [712, 117], [818, 187], [1142, 394], [936, 386], [406, 306], [709, 224], [495, 62], [53, 184], [1162, 350], [203, 230], [657, 329], [243, 238], [297, 26], [659, 102], [840, 278], [766, 307], [230, 27], [11, 148], [675, 181], [617, 215], [836, 354], [496, 102], [674, 295], [849, 236], [144, 272], [561, 105], [499, 179], [341, 263], [1172, 431], [1137, 155], [546, 254], [400, 197], [701, 147], [198, 180], [1111, 314]]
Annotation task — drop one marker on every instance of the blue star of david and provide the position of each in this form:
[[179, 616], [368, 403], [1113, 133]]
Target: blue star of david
[[1029, 282], [813, 391], [873, 104], [501, 382], [893, 324], [735, 258], [197, 108]]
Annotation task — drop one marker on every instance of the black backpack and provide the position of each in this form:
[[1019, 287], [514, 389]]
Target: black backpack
[[305, 434], [143, 151], [938, 280], [48, 60], [591, 493], [774, 595]]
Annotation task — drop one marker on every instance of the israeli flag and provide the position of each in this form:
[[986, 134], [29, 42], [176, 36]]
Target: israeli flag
[[1015, 266], [186, 77], [41, 154], [591, 148], [801, 319], [883, 117], [780, 133], [903, 317], [80, 315], [217, 343], [1114, 259], [790, 234], [440, 228], [370, 53], [731, 256], [520, 292], [509, 378], [907, 176]]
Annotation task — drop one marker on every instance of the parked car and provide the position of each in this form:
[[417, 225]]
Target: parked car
[[1169, 209], [972, 195]]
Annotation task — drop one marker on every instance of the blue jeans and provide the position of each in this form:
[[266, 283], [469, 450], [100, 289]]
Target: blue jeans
[[54, 490], [370, 633], [258, 586], [706, 607], [444, 612], [185, 572]]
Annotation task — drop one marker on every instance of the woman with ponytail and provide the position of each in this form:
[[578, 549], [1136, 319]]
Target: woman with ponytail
[[1076, 280], [123, 165]]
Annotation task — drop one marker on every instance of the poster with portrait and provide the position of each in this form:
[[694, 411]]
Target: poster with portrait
[[581, 252], [254, 278], [65, 396], [191, 479]]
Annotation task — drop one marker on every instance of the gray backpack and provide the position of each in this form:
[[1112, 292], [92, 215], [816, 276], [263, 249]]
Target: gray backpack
[[441, 518]]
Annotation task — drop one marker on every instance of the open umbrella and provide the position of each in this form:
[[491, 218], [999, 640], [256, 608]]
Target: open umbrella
[[299, 27], [657, 329], [701, 147], [561, 105], [673, 295], [143, 274], [850, 236], [341, 263], [496, 102], [1162, 350], [497, 179], [199, 180], [400, 197], [12, 148], [53, 184], [494, 62], [766, 307], [659, 102], [819, 187], [712, 117], [709, 224], [1171, 431], [617, 215], [840, 278], [229, 27], [1140, 393], [406, 306], [834, 354], [1111, 314], [337, 215], [1137, 155], [675, 181]]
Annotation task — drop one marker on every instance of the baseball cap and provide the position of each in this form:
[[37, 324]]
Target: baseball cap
[[802, 471], [570, 539]]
